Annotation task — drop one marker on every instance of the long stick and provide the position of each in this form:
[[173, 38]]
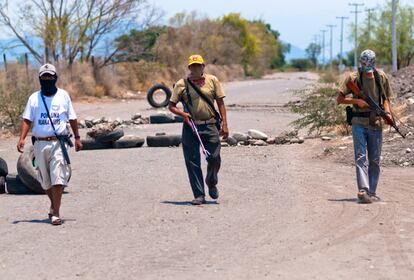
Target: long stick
[[203, 148]]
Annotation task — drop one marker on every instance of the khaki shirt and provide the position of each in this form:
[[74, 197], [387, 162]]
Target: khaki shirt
[[370, 87], [200, 110]]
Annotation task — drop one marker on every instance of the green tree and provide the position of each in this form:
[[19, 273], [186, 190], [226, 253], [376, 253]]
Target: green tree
[[313, 51]]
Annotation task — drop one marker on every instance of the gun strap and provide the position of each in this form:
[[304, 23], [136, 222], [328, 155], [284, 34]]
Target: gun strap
[[202, 96], [378, 83], [48, 114]]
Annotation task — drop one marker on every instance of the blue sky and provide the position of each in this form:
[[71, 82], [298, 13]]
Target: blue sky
[[297, 21]]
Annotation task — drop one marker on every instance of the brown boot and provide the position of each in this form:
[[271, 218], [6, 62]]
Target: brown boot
[[363, 197]]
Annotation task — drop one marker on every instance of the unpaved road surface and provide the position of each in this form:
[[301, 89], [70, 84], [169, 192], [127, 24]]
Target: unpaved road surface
[[284, 212]]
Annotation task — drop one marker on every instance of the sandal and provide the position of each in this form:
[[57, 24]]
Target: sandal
[[50, 213], [56, 221]]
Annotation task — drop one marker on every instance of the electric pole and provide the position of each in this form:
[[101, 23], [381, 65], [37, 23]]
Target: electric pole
[[394, 35], [331, 27], [356, 12], [341, 53], [369, 18], [323, 47]]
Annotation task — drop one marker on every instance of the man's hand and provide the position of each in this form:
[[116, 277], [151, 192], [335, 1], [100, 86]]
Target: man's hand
[[391, 121], [78, 145], [186, 117], [20, 146], [361, 103], [224, 131]]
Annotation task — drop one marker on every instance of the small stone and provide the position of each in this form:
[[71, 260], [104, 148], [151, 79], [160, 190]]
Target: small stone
[[326, 138], [294, 141], [224, 144], [240, 137], [301, 140], [406, 164], [410, 101], [270, 141], [136, 116], [260, 143], [97, 121], [82, 124], [342, 148], [408, 151], [257, 135], [231, 141]]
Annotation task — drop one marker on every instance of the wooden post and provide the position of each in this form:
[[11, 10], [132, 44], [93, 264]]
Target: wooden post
[[26, 62]]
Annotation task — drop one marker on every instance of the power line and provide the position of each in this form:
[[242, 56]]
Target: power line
[[331, 27], [394, 35], [356, 12], [341, 53], [323, 46]]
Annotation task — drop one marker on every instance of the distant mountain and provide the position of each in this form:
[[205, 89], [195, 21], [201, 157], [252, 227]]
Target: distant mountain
[[295, 52]]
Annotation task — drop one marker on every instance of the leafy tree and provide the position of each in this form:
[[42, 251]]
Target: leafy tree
[[313, 51]]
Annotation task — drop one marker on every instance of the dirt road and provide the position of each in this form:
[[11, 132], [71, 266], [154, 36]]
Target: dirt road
[[284, 213]]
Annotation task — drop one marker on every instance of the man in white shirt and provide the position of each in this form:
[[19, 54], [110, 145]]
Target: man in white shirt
[[48, 111]]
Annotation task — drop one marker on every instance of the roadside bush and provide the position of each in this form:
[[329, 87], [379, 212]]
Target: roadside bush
[[320, 111], [16, 85], [328, 77], [301, 64]]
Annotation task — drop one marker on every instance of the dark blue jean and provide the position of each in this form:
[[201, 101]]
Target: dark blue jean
[[367, 148], [191, 147]]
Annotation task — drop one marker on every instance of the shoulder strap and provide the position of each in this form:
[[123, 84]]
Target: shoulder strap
[[47, 111], [380, 87], [198, 91]]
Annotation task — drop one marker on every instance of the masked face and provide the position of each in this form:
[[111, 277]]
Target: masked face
[[48, 84], [367, 61], [196, 70]]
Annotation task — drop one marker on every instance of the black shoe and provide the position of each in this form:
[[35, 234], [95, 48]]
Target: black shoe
[[198, 200], [213, 192]]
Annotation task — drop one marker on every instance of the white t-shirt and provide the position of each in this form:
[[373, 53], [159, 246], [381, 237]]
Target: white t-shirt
[[61, 111]]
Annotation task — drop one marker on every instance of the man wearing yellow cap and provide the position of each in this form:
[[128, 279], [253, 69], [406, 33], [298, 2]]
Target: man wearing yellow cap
[[198, 92]]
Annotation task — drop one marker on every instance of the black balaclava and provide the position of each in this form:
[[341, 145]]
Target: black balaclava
[[48, 86]]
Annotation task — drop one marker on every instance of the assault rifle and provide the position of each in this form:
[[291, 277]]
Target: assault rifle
[[380, 112]]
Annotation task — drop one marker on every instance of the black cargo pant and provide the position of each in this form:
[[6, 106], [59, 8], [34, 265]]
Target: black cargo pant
[[191, 147]]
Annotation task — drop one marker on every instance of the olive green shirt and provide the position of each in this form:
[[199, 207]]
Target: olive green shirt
[[369, 87], [200, 110]]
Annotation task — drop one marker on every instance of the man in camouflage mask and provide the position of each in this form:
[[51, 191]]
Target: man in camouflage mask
[[366, 124]]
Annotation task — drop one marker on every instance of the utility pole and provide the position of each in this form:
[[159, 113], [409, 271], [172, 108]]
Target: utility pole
[[394, 35], [323, 47], [369, 18], [331, 27], [341, 53], [356, 12]]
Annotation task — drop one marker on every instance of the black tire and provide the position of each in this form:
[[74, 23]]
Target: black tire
[[14, 185], [158, 104], [4, 170], [27, 172], [164, 141], [178, 119], [111, 136], [91, 144], [129, 142], [161, 118], [2, 184]]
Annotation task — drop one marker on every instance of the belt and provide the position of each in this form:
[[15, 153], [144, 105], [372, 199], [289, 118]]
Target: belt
[[361, 114], [52, 138], [210, 121]]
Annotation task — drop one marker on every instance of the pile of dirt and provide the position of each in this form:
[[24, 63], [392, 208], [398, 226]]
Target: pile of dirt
[[402, 84]]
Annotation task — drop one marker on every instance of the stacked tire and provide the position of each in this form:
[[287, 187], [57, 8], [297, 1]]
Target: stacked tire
[[113, 140], [24, 183]]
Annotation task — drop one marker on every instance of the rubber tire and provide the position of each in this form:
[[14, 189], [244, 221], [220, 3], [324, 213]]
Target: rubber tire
[[150, 96], [178, 119], [4, 170], [111, 136], [27, 172], [164, 141], [91, 144], [127, 142], [161, 118], [14, 185], [2, 184]]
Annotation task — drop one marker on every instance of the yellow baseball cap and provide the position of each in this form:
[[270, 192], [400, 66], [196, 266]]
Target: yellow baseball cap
[[195, 59]]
